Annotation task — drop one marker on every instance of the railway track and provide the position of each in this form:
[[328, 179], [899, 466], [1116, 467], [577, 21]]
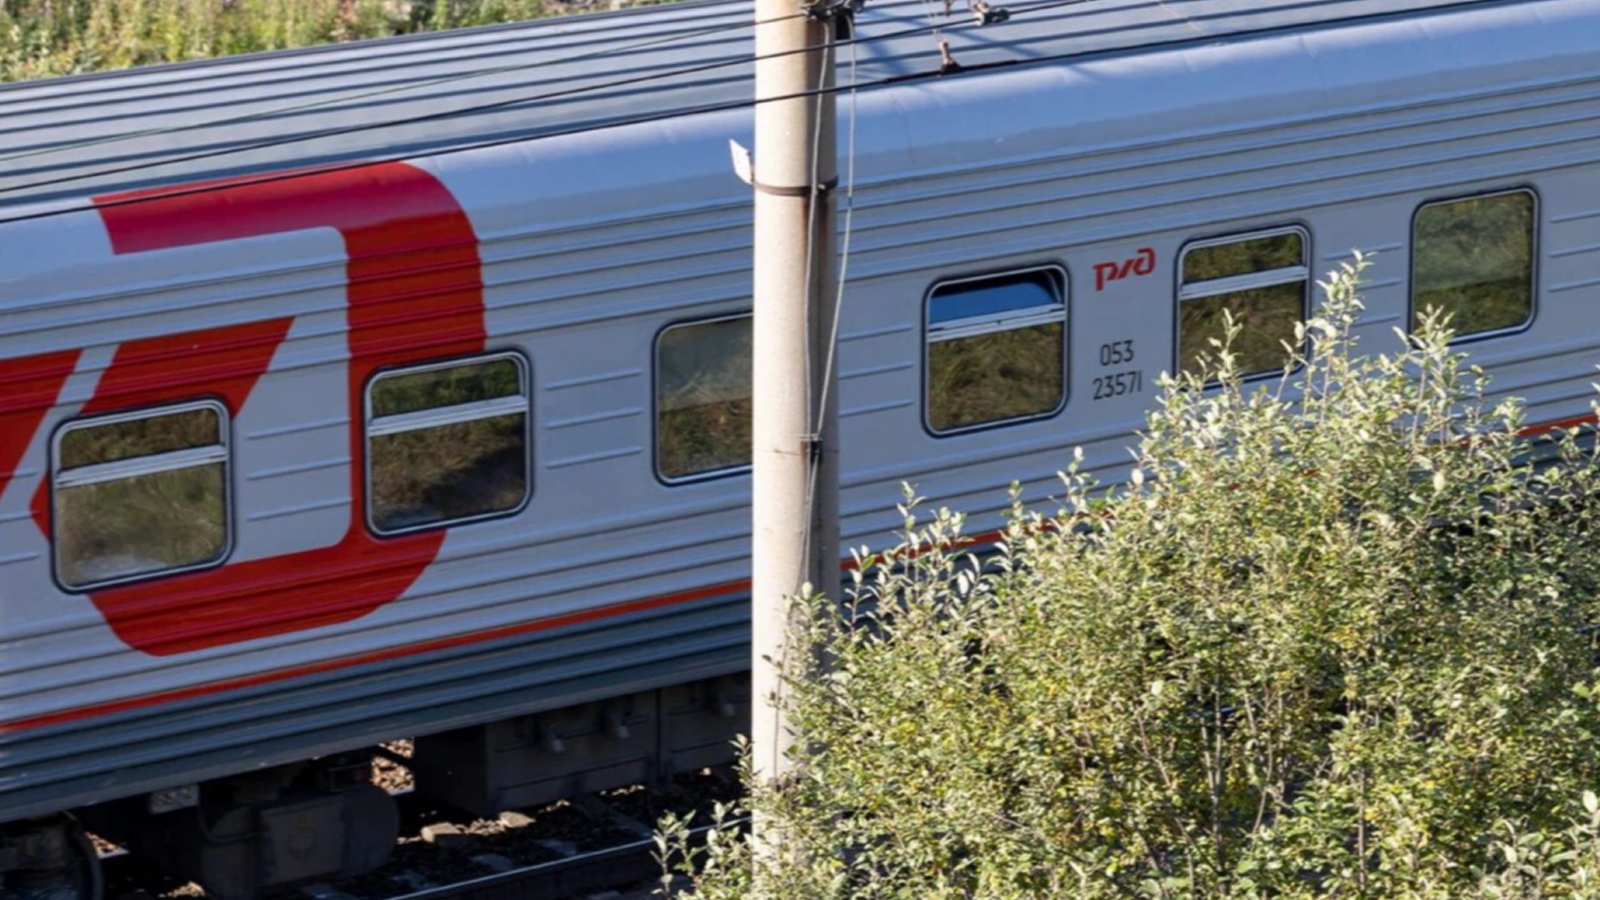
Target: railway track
[[575, 876], [587, 845]]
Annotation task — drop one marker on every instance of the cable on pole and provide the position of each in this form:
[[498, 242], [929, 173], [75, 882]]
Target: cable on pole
[[847, 229], [830, 13], [846, 14]]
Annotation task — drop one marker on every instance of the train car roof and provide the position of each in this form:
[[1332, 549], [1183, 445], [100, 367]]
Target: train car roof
[[438, 93]]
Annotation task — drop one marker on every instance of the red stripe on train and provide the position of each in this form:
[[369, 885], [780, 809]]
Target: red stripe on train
[[28, 388], [605, 612], [415, 292], [477, 638]]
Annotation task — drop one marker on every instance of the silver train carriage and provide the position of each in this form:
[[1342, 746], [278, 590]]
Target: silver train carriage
[[401, 389]]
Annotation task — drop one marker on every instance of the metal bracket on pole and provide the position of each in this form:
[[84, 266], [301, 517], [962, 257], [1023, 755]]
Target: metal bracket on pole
[[799, 191], [744, 167]]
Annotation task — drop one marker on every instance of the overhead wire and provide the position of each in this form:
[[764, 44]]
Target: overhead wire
[[679, 113], [374, 126], [369, 162], [929, 13], [502, 104], [389, 91]]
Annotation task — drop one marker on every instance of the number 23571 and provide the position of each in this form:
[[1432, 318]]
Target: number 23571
[[1117, 353]]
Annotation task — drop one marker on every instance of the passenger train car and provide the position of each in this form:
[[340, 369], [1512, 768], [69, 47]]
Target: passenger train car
[[401, 389]]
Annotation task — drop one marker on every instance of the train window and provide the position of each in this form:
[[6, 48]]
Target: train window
[[140, 494], [1473, 259], [703, 398], [447, 443], [1262, 280], [996, 349]]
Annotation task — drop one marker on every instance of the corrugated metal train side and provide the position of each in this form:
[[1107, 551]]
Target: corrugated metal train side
[[282, 303]]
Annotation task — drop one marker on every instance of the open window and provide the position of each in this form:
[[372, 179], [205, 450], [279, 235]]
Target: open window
[[703, 398], [447, 443], [996, 349], [140, 494], [1262, 281], [1472, 259]]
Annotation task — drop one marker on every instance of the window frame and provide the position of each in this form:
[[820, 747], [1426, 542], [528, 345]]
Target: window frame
[[432, 418], [136, 466], [1235, 283], [1535, 236], [1061, 276], [655, 400]]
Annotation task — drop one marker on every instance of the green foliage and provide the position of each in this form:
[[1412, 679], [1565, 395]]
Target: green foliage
[[1266, 319], [41, 38], [1334, 638]]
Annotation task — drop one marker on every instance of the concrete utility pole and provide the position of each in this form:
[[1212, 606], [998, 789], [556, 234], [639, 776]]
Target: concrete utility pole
[[796, 434]]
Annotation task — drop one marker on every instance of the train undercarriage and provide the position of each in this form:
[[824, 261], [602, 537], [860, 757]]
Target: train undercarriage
[[264, 831]]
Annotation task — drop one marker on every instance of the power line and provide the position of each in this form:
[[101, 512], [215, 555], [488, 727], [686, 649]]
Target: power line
[[382, 92], [274, 177], [374, 126], [655, 117], [501, 104]]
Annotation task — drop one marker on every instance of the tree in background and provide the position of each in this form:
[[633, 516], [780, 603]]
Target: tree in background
[[1335, 637]]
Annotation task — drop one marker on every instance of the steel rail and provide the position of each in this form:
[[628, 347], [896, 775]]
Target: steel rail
[[570, 876]]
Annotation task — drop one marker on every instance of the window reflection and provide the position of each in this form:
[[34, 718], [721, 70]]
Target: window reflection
[[457, 471], [140, 494], [996, 350], [447, 443], [147, 436], [1262, 282], [703, 407], [112, 530], [1474, 261]]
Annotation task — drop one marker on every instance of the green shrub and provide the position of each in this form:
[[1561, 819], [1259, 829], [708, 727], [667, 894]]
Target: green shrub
[[1333, 638]]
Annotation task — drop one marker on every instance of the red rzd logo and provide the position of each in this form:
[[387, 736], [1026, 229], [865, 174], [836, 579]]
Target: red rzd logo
[[414, 293], [1141, 264]]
